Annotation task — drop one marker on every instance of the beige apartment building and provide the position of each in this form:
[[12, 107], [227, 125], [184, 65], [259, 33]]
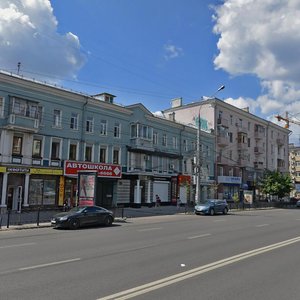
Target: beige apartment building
[[246, 145], [294, 167]]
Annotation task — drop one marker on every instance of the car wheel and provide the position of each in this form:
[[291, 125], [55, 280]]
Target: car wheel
[[108, 221], [225, 211], [74, 224], [212, 212]]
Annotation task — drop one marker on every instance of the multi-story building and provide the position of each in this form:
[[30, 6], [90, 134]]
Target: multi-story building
[[246, 145], [294, 167], [50, 134]]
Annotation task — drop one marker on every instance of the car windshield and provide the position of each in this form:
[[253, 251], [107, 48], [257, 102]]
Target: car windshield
[[207, 202], [77, 209]]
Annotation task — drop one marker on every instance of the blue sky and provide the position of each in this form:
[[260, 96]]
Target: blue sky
[[152, 51]]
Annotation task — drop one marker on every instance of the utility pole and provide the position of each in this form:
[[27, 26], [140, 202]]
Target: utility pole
[[199, 151]]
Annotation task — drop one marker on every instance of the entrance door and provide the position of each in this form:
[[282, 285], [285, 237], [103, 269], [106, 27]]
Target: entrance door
[[13, 197], [104, 194]]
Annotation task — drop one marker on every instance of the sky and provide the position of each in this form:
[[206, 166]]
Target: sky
[[151, 52]]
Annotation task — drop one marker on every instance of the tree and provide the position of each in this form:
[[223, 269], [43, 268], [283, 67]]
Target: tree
[[275, 183]]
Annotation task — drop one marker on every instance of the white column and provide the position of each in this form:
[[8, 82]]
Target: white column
[[149, 190], [26, 190], [4, 190], [137, 196]]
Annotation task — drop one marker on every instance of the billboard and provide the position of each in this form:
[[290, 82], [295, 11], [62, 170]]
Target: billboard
[[72, 168], [87, 188]]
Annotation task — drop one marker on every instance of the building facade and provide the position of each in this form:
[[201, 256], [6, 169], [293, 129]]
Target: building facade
[[50, 134], [246, 145], [294, 168]]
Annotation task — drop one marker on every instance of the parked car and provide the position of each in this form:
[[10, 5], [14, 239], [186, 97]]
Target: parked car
[[211, 207], [83, 216], [298, 203]]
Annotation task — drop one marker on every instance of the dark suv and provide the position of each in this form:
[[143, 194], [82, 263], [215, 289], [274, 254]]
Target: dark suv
[[211, 207]]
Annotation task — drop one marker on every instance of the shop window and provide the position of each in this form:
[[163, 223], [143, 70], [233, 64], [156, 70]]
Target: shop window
[[42, 192]]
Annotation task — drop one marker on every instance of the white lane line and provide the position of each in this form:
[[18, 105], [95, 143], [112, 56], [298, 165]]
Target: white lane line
[[220, 220], [17, 245], [198, 236], [149, 229], [146, 288], [49, 264], [262, 225]]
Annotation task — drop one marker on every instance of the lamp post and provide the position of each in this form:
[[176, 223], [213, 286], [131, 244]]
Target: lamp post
[[199, 151]]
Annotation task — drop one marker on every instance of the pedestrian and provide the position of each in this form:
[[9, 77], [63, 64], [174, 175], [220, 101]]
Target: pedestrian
[[157, 201]]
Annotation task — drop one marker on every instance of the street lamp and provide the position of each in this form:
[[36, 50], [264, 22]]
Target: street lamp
[[199, 150]]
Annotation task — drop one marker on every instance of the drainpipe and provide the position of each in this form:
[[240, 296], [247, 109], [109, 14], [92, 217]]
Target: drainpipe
[[81, 153]]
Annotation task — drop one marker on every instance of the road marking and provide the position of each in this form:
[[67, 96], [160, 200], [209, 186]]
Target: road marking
[[198, 236], [220, 220], [150, 229], [17, 245], [49, 264], [262, 225], [146, 288]]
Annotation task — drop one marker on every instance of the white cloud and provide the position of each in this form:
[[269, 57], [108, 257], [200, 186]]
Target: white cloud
[[262, 38], [172, 51], [28, 34], [243, 103]]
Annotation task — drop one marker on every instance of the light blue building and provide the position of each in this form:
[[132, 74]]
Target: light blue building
[[49, 134]]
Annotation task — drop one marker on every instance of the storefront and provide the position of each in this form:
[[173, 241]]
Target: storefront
[[228, 186], [107, 178], [28, 187]]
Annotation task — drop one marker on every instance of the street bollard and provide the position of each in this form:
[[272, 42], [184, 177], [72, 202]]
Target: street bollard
[[38, 218], [8, 217], [122, 212]]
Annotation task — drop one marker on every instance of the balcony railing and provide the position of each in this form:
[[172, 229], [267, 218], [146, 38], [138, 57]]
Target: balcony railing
[[24, 123]]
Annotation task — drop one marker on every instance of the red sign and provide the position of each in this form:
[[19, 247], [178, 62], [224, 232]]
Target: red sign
[[103, 170]]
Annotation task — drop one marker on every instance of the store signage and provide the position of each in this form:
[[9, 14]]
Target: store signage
[[229, 179], [102, 170]]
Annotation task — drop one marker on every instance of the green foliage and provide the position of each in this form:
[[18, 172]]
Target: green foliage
[[235, 198], [275, 183]]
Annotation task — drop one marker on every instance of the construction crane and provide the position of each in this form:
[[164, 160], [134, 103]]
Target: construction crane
[[287, 120]]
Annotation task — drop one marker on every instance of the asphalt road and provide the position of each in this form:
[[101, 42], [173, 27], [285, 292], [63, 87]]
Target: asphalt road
[[244, 255]]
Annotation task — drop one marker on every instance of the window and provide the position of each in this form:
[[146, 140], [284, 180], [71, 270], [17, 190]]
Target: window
[[1, 106], [231, 120], [17, 145], [117, 128], [249, 142], [249, 126], [185, 166], [37, 148], [88, 154], [103, 127], [57, 118], [116, 156], [185, 147], [74, 121], [230, 137], [221, 171], [230, 172], [55, 149], [155, 138], [164, 140], [103, 151], [89, 125], [174, 142], [73, 152], [133, 130]]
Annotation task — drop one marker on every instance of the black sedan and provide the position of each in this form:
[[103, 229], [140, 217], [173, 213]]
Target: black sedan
[[83, 216]]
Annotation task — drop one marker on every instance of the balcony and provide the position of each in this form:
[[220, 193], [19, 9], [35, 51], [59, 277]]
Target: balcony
[[242, 146], [259, 134], [140, 143], [222, 140], [223, 122], [280, 142], [258, 165], [223, 160], [259, 150], [22, 123]]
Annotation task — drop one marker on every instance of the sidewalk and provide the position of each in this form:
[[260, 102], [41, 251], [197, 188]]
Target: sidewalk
[[35, 219]]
